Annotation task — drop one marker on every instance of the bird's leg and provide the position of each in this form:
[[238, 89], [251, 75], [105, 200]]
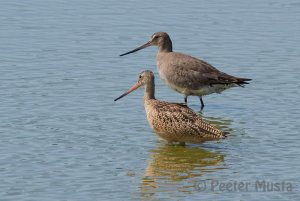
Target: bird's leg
[[185, 99], [202, 103]]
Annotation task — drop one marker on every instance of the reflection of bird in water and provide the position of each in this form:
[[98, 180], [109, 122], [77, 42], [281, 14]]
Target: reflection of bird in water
[[170, 165]]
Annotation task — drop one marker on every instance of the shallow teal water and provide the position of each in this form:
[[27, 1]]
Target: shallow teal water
[[63, 137]]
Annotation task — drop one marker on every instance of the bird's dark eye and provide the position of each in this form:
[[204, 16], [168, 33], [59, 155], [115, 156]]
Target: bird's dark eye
[[140, 76]]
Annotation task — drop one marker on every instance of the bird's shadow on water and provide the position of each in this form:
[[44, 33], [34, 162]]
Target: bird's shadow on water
[[176, 168]]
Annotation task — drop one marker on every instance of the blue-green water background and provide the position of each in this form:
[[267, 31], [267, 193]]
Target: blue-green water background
[[63, 138]]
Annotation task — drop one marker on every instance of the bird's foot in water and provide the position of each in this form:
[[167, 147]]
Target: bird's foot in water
[[182, 143], [179, 143]]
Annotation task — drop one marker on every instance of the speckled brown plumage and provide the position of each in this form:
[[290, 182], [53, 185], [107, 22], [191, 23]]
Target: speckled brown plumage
[[173, 122], [177, 123]]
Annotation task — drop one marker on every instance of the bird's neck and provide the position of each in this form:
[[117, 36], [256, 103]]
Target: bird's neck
[[166, 46], [149, 91]]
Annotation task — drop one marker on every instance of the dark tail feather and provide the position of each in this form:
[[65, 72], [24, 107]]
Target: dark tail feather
[[228, 79], [226, 134], [242, 81]]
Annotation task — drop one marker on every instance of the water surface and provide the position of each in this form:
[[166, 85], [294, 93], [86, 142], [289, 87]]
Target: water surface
[[63, 137]]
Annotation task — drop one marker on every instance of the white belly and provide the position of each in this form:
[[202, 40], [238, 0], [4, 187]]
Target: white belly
[[216, 88], [202, 91]]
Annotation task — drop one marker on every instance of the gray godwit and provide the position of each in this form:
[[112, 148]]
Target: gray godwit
[[188, 75], [173, 122]]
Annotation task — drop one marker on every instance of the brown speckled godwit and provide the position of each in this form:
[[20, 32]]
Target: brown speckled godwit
[[188, 75], [173, 122]]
